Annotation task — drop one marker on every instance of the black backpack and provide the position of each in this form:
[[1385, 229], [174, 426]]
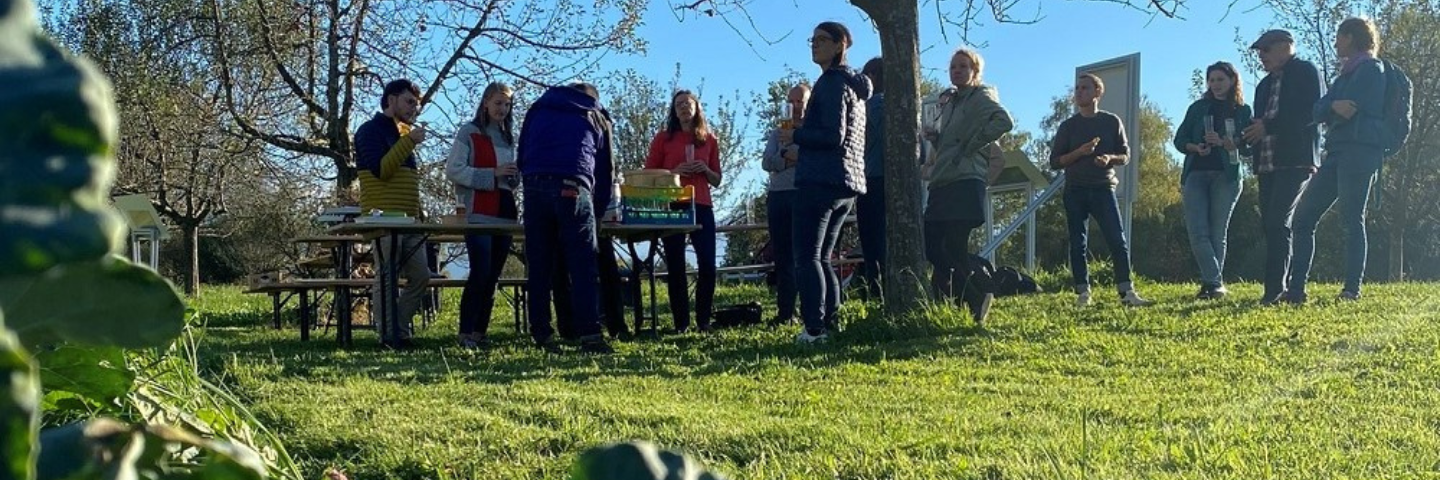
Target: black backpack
[[737, 315], [1009, 281], [1397, 107]]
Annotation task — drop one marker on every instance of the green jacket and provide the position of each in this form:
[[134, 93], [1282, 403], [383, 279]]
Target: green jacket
[[1192, 130], [972, 119]]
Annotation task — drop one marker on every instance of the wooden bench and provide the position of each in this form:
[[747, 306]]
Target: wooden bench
[[281, 293]]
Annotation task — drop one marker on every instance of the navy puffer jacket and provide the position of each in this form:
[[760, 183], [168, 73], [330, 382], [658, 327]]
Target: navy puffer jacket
[[832, 140]]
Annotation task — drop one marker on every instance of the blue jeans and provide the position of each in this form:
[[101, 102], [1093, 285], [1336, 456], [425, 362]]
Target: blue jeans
[[1347, 176], [677, 283], [1209, 198], [780, 208], [870, 208], [560, 217], [1081, 203], [819, 214], [487, 255], [612, 296], [1279, 194]]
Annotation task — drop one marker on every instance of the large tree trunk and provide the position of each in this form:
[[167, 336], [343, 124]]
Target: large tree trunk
[[191, 243], [898, 23], [345, 176]]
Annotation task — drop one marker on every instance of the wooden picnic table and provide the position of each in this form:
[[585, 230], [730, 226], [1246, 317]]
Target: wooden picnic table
[[630, 234], [301, 289]]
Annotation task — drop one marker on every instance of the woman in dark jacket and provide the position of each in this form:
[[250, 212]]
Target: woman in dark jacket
[[1210, 182], [829, 173]]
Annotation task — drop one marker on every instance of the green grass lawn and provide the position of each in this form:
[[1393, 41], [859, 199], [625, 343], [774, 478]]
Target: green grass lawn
[[1183, 389]]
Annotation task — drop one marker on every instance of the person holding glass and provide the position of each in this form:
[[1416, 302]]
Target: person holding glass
[[482, 167], [689, 148], [1210, 180], [970, 121], [779, 159], [829, 174]]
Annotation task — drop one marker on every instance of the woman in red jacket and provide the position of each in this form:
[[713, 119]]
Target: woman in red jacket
[[688, 148]]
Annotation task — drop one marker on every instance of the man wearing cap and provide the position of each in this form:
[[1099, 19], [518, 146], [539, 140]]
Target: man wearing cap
[[1285, 141]]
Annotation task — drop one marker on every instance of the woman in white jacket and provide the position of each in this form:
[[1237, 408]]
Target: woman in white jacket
[[482, 167]]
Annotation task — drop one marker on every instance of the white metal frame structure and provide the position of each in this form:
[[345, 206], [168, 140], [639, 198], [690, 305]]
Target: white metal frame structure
[[147, 230]]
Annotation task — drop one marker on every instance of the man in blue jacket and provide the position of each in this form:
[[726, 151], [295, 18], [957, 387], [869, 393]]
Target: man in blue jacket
[[1283, 136], [564, 147]]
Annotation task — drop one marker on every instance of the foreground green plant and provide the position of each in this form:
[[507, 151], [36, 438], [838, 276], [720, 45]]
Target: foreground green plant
[[64, 294]]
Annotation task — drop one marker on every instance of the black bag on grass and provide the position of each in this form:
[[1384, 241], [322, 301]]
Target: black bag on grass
[[737, 315], [1009, 281]]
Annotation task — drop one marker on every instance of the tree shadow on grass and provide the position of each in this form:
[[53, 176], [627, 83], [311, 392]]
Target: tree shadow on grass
[[436, 358]]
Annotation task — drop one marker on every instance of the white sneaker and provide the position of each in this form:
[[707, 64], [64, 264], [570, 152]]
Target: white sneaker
[[1083, 299], [1133, 299], [805, 338]]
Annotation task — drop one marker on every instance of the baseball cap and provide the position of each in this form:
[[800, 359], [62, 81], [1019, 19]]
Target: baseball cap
[[1271, 37]]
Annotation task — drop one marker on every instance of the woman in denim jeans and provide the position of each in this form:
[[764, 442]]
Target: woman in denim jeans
[[1210, 182], [482, 167], [1353, 113], [829, 173]]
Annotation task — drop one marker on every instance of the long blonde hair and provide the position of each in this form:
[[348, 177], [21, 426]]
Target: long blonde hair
[[482, 118]]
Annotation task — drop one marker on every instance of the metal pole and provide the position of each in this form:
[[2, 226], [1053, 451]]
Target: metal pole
[[1030, 233], [1055, 187], [155, 250], [989, 222]]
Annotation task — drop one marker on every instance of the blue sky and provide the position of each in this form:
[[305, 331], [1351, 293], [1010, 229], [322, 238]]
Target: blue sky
[[1028, 63]]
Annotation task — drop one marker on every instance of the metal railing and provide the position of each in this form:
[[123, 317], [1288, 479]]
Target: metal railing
[[1028, 215]]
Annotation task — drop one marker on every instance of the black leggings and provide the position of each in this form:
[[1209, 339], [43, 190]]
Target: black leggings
[[947, 245]]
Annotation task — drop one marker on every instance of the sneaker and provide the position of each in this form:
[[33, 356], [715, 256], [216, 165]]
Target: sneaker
[[1133, 299], [1206, 293], [806, 337], [596, 345], [779, 322], [980, 310], [473, 341], [1218, 292], [1272, 300], [1294, 298], [549, 346], [1082, 299], [401, 344], [1349, 296]]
